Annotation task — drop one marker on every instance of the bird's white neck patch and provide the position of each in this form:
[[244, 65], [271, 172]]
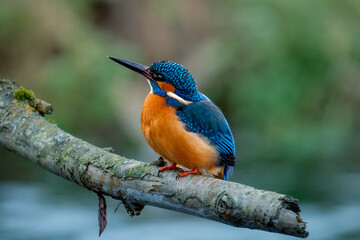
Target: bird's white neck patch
[[151, 89], [177, 98]]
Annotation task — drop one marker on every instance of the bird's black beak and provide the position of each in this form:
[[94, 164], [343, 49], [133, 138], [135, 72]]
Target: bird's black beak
[[142, 69]]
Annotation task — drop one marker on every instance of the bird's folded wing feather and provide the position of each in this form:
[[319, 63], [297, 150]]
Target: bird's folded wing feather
[[205, 118]]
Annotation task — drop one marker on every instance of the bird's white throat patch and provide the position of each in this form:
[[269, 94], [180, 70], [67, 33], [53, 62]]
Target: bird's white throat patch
[[179, 99], [151, 89]]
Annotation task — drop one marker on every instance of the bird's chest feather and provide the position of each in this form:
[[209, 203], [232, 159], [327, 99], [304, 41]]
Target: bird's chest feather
[[166, 134], [155, 117]]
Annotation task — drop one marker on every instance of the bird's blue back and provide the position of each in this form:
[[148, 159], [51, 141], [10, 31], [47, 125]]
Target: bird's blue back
[[205, 118]]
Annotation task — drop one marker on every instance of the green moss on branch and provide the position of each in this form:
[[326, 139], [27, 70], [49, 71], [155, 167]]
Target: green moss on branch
[[22, 94]]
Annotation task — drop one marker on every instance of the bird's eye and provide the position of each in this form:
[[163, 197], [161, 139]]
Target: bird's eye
[[157, 76]]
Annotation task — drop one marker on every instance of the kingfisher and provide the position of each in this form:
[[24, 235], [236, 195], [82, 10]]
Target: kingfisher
[[183, 125]]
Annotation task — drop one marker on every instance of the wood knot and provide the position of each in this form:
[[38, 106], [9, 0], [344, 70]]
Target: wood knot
[[5, 127], [223, 206], [159, 162]]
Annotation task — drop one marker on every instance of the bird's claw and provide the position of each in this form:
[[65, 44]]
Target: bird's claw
[[171, 167], [183, 174]]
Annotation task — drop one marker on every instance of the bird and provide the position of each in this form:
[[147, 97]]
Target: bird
[[182, 124]]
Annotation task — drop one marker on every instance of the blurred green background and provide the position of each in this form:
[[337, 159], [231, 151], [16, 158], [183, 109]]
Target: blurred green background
[[285, 74]]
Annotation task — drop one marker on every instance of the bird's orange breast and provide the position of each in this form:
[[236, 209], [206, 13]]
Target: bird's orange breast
[[167, 135]]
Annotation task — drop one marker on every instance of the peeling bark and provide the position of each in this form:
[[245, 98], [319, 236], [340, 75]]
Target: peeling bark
[[24, 131], [102, 218]]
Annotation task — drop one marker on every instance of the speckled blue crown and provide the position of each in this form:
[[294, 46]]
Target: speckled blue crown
[[179, 77]]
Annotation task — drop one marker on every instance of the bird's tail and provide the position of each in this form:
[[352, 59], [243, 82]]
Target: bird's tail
[[228, 171]]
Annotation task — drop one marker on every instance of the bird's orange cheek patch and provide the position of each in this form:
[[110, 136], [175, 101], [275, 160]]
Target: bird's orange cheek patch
[[166, 87]]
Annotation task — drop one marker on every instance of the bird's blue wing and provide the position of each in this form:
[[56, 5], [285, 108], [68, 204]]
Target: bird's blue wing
[[205, 118]]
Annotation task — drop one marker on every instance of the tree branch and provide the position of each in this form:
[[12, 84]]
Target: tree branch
[[24, 131]]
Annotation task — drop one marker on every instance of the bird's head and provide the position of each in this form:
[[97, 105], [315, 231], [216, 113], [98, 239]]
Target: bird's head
[[168, 79]]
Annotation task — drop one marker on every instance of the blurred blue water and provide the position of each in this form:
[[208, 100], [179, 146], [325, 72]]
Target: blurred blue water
[[31, 211]]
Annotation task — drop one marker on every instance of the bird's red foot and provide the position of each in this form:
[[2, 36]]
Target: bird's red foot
[[171, 167], [183, 174]]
